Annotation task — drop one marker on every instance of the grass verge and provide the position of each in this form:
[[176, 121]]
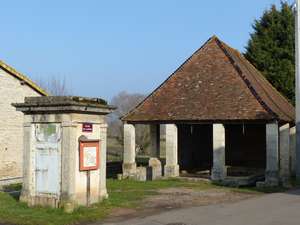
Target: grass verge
[[124, 193]]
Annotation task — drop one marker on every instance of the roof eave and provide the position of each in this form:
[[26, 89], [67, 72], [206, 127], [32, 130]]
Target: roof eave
[[23, 78]]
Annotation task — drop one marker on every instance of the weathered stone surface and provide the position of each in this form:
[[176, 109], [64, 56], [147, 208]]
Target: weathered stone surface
[[171, 171], [119, 176], [272, 170], [219, 171], [129, 165], [155, 169], [171, 167], [285, 155], [270, 181], [68, 208], [64, 104], [141, 174], [242, 181], [64, 100], [129, 169], [103, 150], [293, 150], [11, 127]]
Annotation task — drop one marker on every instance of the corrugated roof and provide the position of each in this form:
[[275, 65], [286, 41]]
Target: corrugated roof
[[23, 78], [215, 84]]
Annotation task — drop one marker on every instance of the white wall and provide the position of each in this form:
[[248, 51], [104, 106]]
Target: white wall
[[11, 125]]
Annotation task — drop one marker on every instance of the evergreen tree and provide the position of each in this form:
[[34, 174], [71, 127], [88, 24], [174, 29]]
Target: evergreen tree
[[271, 48]]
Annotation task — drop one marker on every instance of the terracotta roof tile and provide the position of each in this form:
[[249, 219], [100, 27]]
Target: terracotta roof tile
[[215, 84]]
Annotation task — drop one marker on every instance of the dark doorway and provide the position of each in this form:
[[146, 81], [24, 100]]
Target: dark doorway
[[195, 144], [246, 145]]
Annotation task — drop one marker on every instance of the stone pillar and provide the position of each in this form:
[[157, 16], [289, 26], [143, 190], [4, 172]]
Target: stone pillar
[[293, 150], [69, 162], [219, 171], [284, 154], [28, 164], [162, 143], [102, 179], [171, 167], [272, 169], [129, 164], [155, 140], [155, 169]]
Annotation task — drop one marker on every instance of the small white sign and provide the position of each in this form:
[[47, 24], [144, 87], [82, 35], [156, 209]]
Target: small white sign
[[90, 156]]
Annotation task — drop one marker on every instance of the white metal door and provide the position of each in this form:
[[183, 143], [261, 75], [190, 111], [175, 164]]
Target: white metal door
[[48, 158]]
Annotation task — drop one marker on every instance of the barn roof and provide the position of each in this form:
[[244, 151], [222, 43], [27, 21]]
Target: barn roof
[[22, 77], [215, 84]]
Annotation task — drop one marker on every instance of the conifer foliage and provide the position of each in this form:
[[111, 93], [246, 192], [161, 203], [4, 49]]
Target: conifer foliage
[[271, 48]]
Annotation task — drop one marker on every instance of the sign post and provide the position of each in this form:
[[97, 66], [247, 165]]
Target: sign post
[[297, 80], [89, 155], [88, 160]]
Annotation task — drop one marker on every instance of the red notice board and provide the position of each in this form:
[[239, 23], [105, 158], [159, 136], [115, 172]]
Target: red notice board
[[89, 155]]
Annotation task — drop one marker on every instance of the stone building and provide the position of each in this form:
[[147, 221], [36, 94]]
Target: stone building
[[220, 113], [14, 87], [64, 150]]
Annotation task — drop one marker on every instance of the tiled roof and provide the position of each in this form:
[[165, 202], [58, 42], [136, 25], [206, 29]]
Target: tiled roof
[[215, 84], [23, 78]]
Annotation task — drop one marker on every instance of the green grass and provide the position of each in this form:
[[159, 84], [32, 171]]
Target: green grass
[[124, 193]]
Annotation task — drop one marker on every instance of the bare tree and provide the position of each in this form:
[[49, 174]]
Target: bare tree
[[125, 102], [55, 85]]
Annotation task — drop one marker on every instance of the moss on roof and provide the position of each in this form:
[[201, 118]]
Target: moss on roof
[[22, 77]]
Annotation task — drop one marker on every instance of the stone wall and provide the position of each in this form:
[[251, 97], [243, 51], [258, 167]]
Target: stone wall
[[11, 125]]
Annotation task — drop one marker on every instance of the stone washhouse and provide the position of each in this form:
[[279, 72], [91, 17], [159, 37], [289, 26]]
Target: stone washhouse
[[64, 151], [222, 116]]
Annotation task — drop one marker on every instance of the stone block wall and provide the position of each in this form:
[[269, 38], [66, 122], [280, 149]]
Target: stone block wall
[[12, 90]]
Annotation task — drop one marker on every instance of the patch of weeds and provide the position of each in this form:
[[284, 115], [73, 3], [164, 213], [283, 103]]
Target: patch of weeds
[[12, 187]]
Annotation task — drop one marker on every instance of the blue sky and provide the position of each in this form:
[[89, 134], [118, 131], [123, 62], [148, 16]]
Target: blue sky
[[104, 47]]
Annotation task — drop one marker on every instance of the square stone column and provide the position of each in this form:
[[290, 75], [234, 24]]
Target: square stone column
[[155, 140], [129, 164], [272, 170], [284, 153], [171, 167], [219, 171], [102, 178], [28, 189], [68, 182], [293, 150]]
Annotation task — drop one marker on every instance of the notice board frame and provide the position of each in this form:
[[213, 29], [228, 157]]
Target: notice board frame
[[89, 143]]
